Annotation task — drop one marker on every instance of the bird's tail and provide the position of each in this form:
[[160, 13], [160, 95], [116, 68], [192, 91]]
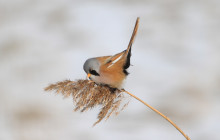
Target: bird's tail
[[128, 50]]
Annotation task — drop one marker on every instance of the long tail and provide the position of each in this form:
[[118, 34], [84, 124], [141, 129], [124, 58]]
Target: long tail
[[133, 36], [127, 54]]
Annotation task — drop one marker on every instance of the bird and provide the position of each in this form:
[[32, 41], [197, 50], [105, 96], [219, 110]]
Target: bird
[[111, 70]]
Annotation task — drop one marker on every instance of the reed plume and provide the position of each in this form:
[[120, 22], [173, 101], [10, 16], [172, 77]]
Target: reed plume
[[86, 95]]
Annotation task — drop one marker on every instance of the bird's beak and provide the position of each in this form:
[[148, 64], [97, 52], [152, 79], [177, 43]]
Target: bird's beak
[[88, 75]]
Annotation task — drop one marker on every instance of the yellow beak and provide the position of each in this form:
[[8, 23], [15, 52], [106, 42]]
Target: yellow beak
[[88, 75]]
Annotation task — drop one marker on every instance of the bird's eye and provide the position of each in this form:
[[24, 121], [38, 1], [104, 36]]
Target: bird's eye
[[93, 72]]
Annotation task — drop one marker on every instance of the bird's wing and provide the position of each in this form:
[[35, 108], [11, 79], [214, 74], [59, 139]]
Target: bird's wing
[[114, 59]]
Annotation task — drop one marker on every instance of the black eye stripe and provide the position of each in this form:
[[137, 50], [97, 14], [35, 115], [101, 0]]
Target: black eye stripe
[[93, 72]]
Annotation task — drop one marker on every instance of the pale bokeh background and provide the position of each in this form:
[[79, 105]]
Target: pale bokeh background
[[176, 67]]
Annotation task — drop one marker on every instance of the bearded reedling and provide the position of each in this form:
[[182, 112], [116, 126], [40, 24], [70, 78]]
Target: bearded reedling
[[104, 88]]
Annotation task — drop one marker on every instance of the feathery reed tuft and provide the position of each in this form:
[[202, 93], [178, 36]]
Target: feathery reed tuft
[[86, 95]]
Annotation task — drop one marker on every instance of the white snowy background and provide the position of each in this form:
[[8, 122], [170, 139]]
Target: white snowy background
[[175, 58]]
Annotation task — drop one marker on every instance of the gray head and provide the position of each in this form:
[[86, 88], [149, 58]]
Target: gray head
[[92, 66]]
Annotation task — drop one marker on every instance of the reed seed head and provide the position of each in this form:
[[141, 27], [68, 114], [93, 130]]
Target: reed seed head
[[87, 94]]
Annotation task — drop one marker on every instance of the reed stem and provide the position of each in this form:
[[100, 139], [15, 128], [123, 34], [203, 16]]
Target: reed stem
[[158, 112]]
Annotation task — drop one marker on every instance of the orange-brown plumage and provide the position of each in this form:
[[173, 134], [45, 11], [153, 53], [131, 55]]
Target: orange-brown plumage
[[112, 75], [111, 70]]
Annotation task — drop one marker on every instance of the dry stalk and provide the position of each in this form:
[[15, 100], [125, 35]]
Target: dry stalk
[[158, 112], [86, 95]]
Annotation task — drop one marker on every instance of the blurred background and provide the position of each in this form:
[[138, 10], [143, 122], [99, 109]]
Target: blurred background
[[175, 58]]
